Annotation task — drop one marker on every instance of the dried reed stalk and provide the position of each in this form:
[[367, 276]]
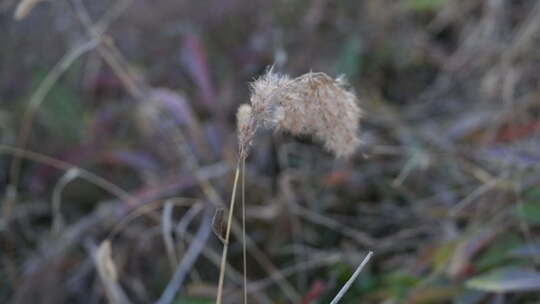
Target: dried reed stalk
[[312, 104]]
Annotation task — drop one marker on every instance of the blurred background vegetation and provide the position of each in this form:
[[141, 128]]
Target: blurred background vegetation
[[115, 108]]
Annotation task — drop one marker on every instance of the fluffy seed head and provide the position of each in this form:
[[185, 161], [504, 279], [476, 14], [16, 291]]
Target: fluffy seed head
[[312, 104], [245, 126], [265, 94]]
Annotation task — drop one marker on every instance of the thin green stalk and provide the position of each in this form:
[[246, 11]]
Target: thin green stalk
[[226, 241]]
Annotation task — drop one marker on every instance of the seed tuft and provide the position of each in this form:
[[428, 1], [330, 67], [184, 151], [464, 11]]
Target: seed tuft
[[311, 104]]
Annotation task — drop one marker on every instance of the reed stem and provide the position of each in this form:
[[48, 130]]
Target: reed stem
[[226, 241]]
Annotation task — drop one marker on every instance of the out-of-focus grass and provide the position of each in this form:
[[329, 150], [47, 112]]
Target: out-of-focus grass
[[444, 188]]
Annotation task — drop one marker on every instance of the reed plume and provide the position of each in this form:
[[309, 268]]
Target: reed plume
[[312, 104]]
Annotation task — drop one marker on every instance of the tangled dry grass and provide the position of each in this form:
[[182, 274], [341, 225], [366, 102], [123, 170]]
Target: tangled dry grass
[[120, 126]]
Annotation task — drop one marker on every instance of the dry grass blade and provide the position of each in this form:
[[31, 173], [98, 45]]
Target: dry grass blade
[[105, 264], [193, 252], [58, 220], [24, 8], [181, 228], [351, 280], [145, 210], [108, 273], [167, 229], [111, 54]]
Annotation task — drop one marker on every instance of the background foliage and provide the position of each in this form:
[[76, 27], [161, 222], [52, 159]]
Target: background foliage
[[445, 188]]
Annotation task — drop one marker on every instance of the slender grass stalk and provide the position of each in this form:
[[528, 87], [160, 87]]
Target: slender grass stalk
[[310, 104], [244, 250], [227, 235], [351, 280]]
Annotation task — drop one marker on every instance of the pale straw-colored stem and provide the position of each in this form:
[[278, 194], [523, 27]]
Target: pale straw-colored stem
[[351, 280], [244, 250], [226, 241]]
